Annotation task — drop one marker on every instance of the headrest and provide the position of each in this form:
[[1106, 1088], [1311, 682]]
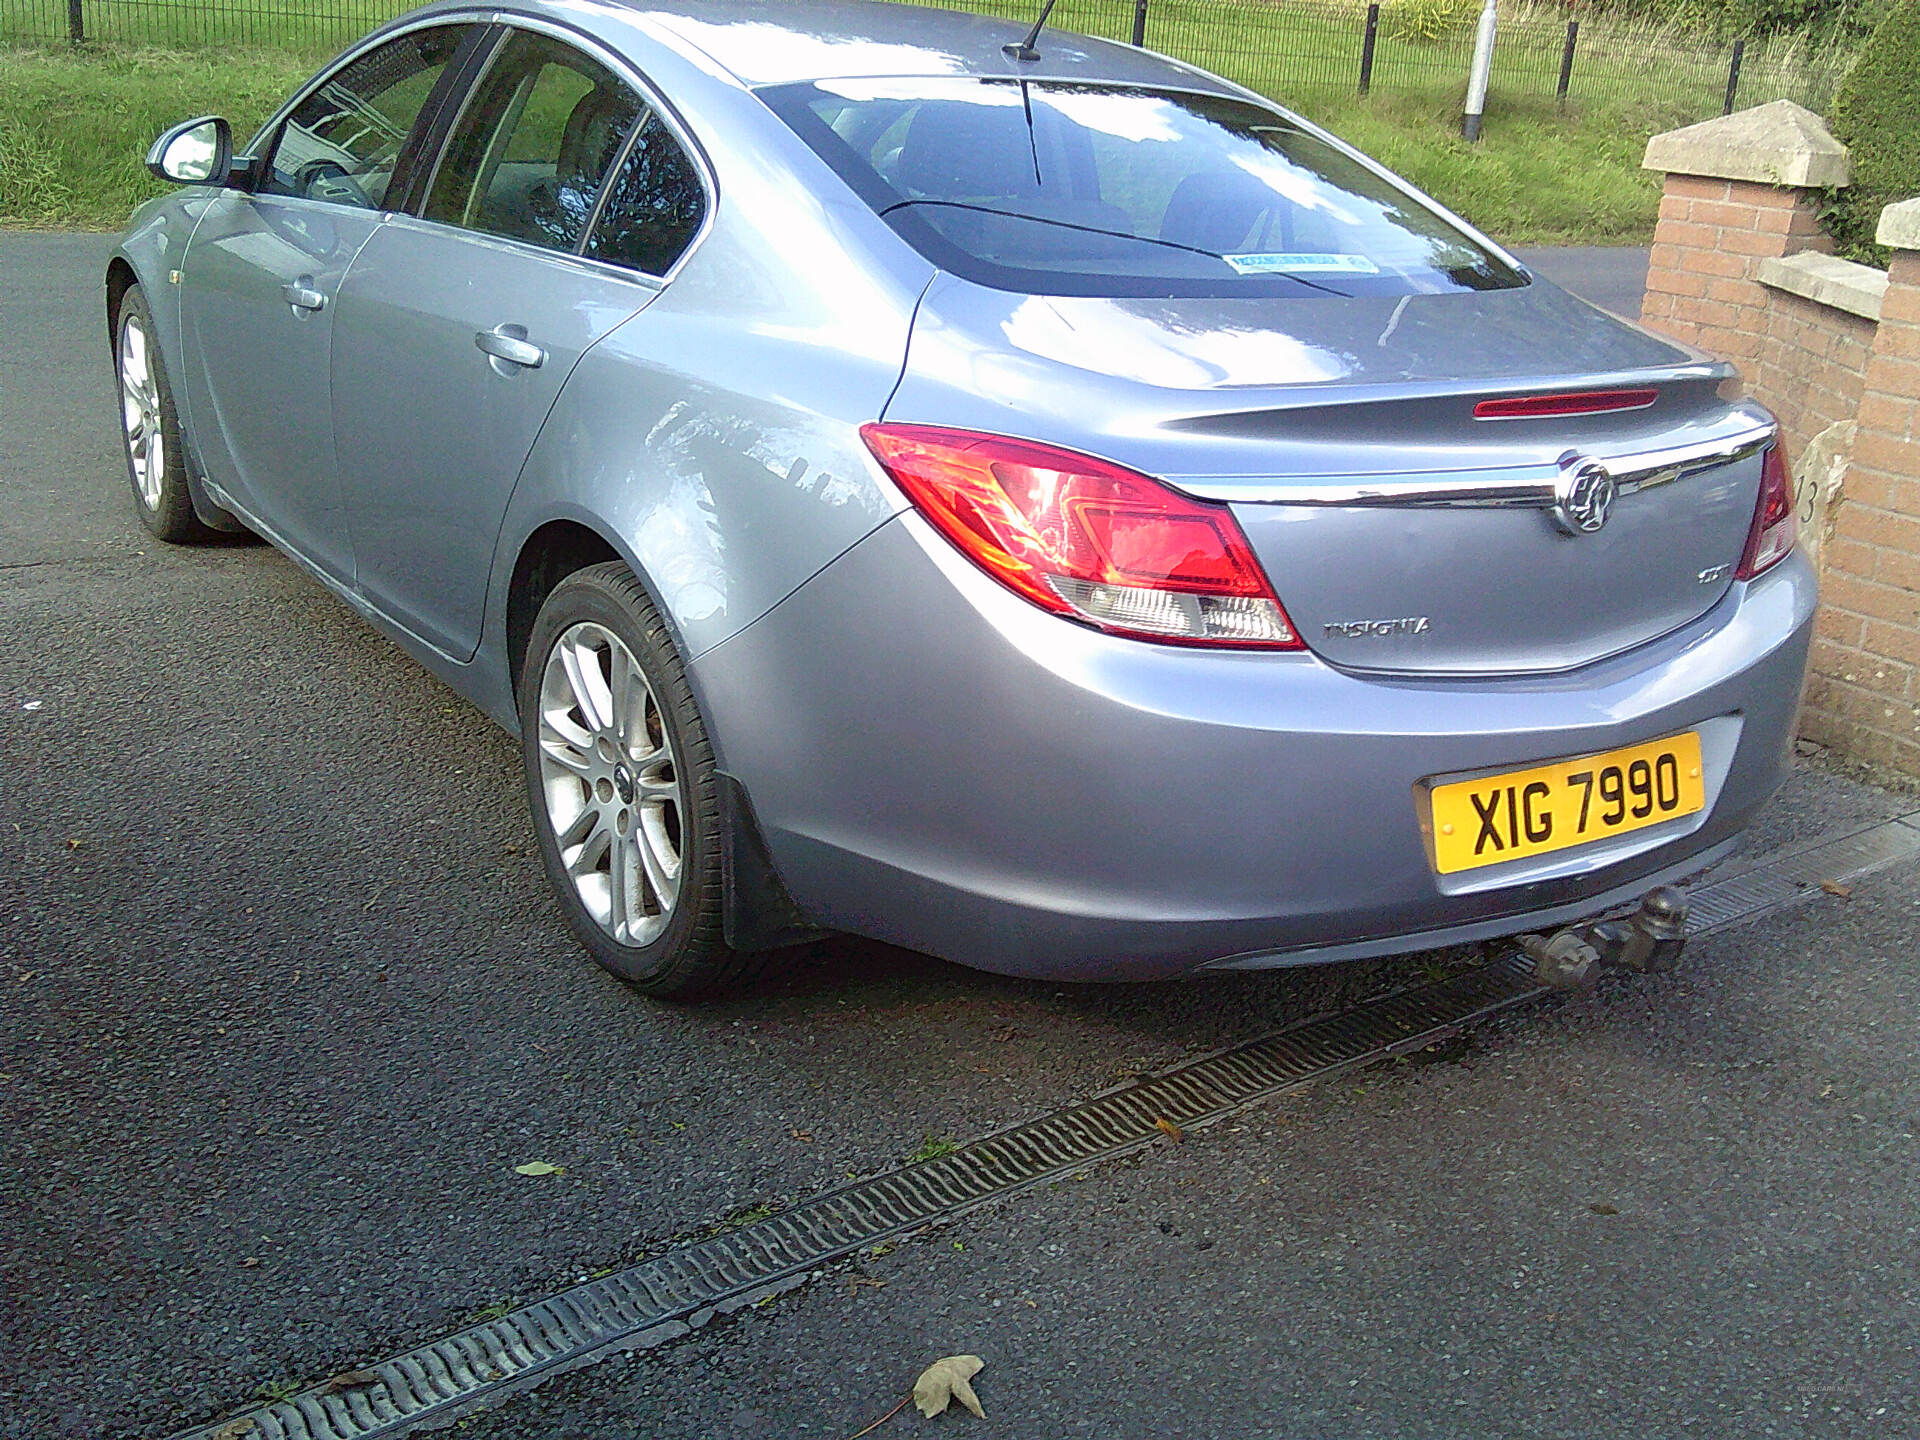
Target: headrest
[[967, 152]]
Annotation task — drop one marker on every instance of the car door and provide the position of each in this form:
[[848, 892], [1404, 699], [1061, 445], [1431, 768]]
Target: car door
[[458, 327], [262, 273]]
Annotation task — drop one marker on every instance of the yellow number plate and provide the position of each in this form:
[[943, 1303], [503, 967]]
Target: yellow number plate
[[1572, 802]]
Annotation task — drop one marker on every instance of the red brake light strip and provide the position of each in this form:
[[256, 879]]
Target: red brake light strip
[[1576, 402]]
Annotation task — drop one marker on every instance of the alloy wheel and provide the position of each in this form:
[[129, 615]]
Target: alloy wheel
[[610, 785], [140, 411]]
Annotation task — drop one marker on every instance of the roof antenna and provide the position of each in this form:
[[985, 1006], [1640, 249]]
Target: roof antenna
[[1024, 50]]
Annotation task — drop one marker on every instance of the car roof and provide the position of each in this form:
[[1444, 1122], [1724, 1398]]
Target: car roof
[[772, 42]]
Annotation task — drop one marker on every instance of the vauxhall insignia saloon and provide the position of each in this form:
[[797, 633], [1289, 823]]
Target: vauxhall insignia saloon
[[1035, 503]]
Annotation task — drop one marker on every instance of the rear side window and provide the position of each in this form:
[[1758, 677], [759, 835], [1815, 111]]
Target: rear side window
[[535, 141], [1087, 189], [654, 204]]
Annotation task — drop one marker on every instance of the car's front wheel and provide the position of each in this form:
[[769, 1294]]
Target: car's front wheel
[[150, 426], [622, 782]]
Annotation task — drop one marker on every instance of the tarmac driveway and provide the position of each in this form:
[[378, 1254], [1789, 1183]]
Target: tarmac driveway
[[283, 1002]]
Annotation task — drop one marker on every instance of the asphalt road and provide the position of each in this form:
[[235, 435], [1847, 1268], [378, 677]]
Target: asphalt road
[[1614, 277], [283, 1001]]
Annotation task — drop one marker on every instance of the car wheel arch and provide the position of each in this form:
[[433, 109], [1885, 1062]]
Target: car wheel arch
[[121, 277], [549, 552]]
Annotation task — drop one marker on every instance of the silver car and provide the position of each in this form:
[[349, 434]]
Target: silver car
[[1038, 504]]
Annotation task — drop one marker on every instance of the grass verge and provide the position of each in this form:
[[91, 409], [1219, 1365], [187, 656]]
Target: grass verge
[[1538, 177], [75, 126]]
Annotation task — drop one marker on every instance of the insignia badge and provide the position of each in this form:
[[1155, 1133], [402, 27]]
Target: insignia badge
[[1373, 629], [1583, 495]]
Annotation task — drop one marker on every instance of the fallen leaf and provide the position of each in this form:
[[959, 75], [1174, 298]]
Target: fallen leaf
[[234, 1429], [806, 1135], [854, 1282], [249, 1263], [1167, 1128], [946, 1380], [539, 1167], [1834, 887], [351, 1380], [1600, 1207]]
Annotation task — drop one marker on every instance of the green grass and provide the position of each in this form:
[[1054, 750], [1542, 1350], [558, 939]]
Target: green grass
[[1536, 177], [74, 124], [932, 1147], [74, 127]]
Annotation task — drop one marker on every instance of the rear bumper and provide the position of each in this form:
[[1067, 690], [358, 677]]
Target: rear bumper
[[938, 764]]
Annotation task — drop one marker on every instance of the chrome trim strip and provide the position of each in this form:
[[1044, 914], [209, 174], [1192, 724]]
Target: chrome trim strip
[[1530, 488]]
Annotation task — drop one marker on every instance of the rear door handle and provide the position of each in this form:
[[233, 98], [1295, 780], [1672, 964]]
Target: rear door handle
[[510, 343], [304, 297]]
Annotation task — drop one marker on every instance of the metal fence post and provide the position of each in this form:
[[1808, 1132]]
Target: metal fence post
[[76, 23], [1477, 77], [1366, 48], [1566, 59], [1733, 74], [1140, 24]]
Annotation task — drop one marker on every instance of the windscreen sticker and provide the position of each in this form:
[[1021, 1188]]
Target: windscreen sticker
[[1292, 264]]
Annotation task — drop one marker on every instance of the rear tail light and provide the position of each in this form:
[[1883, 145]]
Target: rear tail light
[[1774, 530], [1088, 539]]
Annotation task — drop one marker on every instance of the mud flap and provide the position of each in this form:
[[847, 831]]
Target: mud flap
[[757, 913], [207, 511]]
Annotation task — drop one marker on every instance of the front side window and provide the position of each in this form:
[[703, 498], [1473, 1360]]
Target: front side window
[[527, 157], [344, 142], [1090, 189]]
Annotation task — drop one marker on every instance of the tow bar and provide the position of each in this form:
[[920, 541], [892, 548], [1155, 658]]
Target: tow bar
[[1648, 942]]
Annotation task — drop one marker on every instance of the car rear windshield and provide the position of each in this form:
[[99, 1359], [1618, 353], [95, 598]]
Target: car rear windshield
[[1086, 189]]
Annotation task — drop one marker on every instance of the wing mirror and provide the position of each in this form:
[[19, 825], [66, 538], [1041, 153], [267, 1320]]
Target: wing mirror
[[194, 152]]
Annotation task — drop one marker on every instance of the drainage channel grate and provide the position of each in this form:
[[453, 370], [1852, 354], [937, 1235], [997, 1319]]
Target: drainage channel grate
[[435, 1383], [663, 1297], [1792, 875]]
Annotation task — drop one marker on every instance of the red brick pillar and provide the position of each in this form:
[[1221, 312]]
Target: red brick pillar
[[1736, 194], [1862, 698]]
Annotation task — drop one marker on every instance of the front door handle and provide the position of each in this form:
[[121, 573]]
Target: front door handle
[[304, 297], [510, 343]]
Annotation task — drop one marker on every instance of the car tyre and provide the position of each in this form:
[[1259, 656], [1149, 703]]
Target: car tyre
[[623, 788], [150, 427]]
